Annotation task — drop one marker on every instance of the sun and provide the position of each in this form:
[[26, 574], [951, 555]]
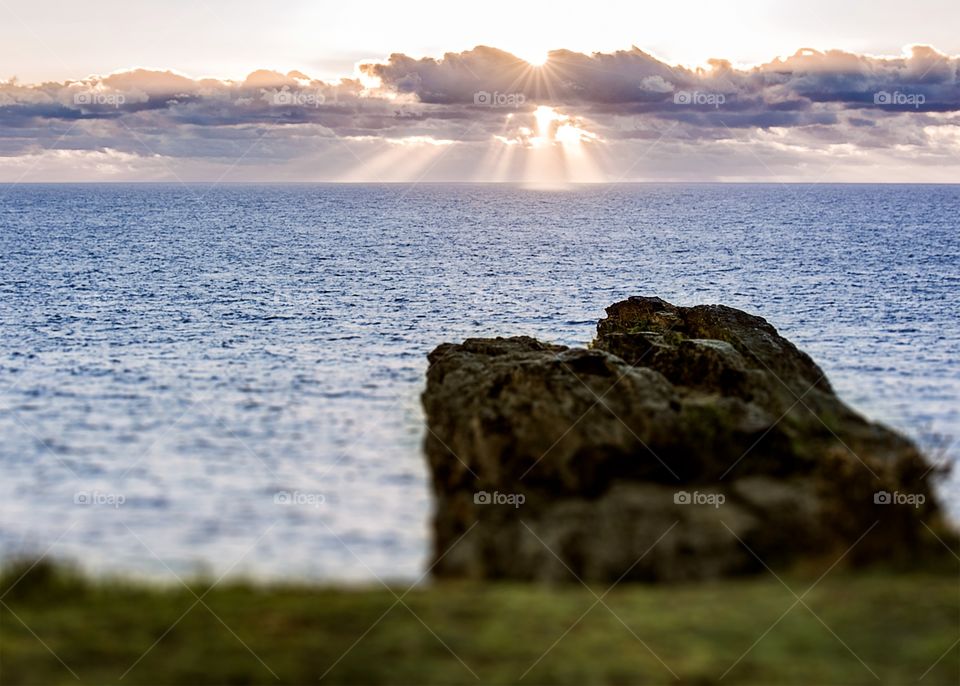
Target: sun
[[535, 58]]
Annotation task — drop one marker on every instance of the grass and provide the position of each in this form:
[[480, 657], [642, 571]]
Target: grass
[[852, 628]]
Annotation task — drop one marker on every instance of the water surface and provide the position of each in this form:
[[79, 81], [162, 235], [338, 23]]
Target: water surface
[[194, 350]]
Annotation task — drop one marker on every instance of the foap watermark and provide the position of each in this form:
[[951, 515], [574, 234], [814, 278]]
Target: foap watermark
[[498, 99], [297, 98], [299, 498], [699, 98], [896, 98], [698, 498], [99, 499], [497, 498], [99, 98], [898, 498]]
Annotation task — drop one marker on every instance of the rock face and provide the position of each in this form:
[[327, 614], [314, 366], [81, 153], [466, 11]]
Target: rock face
[[686, 443]]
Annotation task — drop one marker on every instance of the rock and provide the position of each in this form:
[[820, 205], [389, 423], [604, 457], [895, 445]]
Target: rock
[[685, 443]]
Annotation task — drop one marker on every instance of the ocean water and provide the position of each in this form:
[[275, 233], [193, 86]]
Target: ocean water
[[174, 357]]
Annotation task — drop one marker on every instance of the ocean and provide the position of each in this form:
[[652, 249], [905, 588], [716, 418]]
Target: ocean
[[226, 379]]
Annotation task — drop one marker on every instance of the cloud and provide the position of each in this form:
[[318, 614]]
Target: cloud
[[809, 106], [633, 77]]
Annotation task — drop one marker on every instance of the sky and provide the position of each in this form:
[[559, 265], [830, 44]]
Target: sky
[[540, 92]]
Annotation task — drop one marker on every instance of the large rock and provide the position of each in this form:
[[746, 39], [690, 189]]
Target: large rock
[[685, 443]]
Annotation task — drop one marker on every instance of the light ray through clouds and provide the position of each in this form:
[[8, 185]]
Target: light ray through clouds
[[487, 115]]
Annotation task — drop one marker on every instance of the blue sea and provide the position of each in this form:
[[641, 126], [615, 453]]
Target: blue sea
[[226, 378]]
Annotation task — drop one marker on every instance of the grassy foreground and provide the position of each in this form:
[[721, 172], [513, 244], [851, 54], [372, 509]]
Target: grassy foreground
[[864, 628]]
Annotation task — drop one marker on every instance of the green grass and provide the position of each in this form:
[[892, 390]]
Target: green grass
[[898, 625]]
